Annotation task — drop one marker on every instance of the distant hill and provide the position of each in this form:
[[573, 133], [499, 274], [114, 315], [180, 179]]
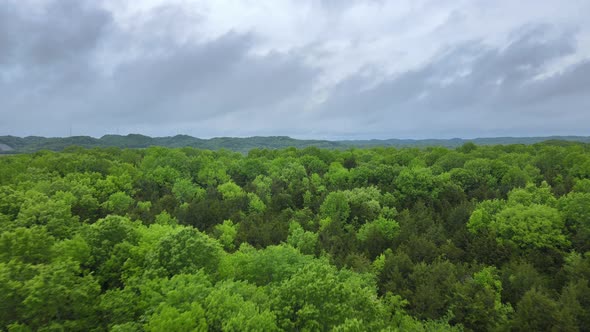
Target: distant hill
[[12, 144], [5, 148]]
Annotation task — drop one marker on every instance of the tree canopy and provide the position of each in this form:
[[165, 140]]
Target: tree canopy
[[473, 238]]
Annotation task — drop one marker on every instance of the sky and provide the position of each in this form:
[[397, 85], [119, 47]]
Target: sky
[[326, 69]]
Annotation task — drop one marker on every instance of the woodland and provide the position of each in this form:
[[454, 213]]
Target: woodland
[[13, 144], [472, 238]]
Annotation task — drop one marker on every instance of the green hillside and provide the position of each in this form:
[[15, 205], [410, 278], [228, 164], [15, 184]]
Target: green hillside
[[14, 144]]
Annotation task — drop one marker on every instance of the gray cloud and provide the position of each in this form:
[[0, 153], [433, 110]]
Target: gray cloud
[[51, 37], [196, 82], [475, 90], [168, 69], [168, 83]]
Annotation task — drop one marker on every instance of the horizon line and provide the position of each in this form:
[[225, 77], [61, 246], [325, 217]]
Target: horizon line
[[307, 138]]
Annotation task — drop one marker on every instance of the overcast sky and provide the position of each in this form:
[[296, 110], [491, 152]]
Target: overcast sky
[[336, 69]]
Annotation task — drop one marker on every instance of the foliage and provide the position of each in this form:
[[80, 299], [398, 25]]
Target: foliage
[[474, 238]]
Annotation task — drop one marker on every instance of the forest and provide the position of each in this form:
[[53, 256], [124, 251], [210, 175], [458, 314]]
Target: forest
[[13, 144], [472, 238]]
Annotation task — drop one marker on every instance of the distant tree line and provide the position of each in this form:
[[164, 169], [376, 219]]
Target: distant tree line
[[12, 144]]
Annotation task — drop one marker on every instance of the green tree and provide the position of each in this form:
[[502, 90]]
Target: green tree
[[272, 264], [226, 234], [415, 184], [574, 207], [378, 235], [186, 191], [305, 241], [335, 206], [28, 245], [535, 226], [232, 306], [53, 213], [431, 296], [169, 318], [186, 251], [526, 220], [60, 296], [477, 303], [318, 297], [536, 311], [119, 203]]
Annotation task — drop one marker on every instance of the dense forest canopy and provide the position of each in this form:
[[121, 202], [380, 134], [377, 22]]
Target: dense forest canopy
[[474, 238]]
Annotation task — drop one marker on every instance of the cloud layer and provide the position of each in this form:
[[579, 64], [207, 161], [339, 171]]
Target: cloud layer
[[321, 69]]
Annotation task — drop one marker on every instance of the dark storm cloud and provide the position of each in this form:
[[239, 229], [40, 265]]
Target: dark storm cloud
[[472, 85]]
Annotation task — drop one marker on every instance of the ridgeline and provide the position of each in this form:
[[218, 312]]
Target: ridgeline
[[13, 144]]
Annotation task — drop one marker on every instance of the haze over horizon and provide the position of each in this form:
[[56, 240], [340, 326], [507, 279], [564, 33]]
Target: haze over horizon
[[306, 69]]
